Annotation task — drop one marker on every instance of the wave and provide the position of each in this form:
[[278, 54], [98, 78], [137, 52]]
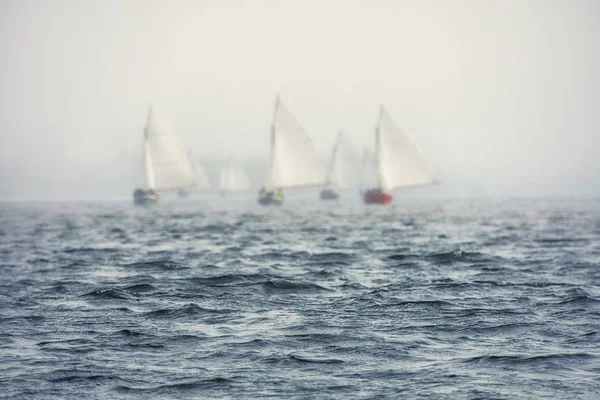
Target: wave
[[27, 318], [115, 294], [166, 265], [81, 376], [580, 299], [182, 386], [331, 258], [278, 255], [89, 250], [290, 285], [128, 332], [185, 311], [267, 282], [315, 359], [228, 279], [399, 257], [561, 241], [433, 303], [510, 327], [141, 288], [459, 256], [532, 359]]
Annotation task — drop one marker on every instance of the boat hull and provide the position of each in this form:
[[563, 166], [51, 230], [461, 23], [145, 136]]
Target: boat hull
[[144, 198], [329, 195], [270, 202], [377, 198]]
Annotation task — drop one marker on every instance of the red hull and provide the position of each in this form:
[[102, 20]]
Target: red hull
[[377, 198]]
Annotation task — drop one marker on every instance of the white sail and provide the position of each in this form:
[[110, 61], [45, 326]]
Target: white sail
[[400, 163], [295, 161], [233, 179], [344, 166], [166, 161], [202, 182], [369, 170], [149, 172]]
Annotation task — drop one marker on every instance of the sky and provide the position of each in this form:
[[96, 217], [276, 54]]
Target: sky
[[501, 97]]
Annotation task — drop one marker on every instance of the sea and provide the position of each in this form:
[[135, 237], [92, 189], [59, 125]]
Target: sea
[[193, 299]]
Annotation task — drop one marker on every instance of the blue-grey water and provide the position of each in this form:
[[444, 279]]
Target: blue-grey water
[[423, 299]]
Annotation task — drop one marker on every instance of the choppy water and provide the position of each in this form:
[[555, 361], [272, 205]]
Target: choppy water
[[444, 299]]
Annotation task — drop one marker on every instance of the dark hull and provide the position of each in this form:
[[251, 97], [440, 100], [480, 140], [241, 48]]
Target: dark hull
[[329, 196], [143, 198], [377, 198], [270, 201]]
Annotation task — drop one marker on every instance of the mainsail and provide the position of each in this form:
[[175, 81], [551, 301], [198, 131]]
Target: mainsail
[[295, 161], [399, 162], [369, 174], [233, 179], [166, 162], [344, 166]]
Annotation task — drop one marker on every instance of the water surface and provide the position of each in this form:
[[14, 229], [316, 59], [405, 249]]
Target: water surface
[[444, 299]]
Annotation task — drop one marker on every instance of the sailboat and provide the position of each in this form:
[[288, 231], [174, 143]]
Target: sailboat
[[295, 161], [342, 170], [398, 162], [233, 179], [167, 165]]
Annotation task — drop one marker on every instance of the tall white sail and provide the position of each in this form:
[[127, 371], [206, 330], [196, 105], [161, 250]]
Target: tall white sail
[[233, 179], [166, 160], [400, 163], [148, 171], [295, 161], [344, 166], [369, 176]]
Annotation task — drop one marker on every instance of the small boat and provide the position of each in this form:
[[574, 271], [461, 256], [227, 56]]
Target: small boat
[[295, 161], [376, 196], [167, 166], [342, 170], [233, 179], [271, 198], [328, 194], [144, 197], [397, 162]]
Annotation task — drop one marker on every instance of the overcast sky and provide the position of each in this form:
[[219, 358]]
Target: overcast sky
[[501, 96]]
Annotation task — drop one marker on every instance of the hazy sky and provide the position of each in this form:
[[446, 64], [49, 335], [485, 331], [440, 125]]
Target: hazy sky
[[501, 96]]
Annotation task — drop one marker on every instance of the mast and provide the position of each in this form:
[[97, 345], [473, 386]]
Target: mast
[[146, 156], [270, 177], [378, 147], [334, 152]]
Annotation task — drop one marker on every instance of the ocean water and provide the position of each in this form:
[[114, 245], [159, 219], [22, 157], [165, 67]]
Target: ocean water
[[424, 299]]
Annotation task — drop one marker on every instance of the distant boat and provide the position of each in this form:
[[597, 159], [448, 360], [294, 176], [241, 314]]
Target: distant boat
[[343, 168], [397, 162], [167, 166], [233, 179], [294, 163]]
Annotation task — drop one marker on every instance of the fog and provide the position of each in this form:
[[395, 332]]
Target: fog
[[502, 97]]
